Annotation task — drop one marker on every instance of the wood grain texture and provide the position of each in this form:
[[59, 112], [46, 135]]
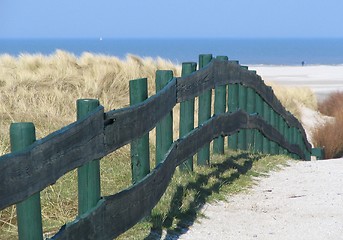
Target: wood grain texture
[[127, 124], [115, 214], [30, 171]]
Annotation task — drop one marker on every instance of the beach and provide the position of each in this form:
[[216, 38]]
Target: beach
[[322, 79]]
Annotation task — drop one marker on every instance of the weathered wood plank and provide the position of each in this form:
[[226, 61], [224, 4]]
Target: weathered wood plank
[[194, 84], [127, 124], [227, 124], [115, 214], [40, 165]]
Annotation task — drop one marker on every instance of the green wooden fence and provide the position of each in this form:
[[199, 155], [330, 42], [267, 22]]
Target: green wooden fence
[[252, 118]]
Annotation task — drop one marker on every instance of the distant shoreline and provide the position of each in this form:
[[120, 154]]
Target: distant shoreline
[[322, 79], [248, 51]]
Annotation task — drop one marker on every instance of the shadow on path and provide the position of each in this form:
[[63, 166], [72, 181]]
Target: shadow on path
[[186, 218]]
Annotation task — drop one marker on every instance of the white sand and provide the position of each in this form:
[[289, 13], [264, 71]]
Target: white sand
[[303, 201], [322, 79]]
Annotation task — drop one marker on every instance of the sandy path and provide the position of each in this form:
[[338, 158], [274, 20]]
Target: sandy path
[[303, 201]]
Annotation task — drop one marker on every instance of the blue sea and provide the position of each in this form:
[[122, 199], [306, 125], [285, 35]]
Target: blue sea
[[247, 51]]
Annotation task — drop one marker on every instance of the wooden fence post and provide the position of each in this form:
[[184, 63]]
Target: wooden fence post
[[219, 107], [140, 155], [187, 114], [318, 153], [288, 136], [29, 218], [204, 112], [164, 129], [242, 103], [232, 106], [89, 174], [266, 116], [250, 133], [258, 135], [276, 126], [273, 144], [294, 140]]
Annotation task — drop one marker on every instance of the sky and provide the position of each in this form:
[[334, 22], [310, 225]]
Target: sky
[[171, 19]]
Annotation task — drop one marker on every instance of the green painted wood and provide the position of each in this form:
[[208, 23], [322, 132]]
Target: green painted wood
[[287, 135], [204, 112], [277, 127], [140, 155], [29, 218], [282, 130], [219, 107], [251, 108], [88, 175], [187, 114], [232, 107], [266, 117], [222, 58], [164, 129], [258, 135], [296, 138], [318, 153], [273, 145], [242, 103]]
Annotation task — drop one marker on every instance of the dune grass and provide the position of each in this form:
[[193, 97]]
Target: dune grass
[[293, 97], [330, 135], [44, 90]]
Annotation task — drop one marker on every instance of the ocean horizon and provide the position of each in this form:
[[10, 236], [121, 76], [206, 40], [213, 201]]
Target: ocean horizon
[[247, 51]]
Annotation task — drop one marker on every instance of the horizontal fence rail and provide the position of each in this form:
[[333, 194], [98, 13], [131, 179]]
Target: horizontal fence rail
[[100, 133], [115, 214]]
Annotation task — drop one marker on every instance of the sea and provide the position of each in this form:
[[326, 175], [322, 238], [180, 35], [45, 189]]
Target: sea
[[246, 51]]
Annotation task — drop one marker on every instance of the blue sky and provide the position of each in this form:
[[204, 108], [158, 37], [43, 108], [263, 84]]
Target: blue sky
[[171, 18]]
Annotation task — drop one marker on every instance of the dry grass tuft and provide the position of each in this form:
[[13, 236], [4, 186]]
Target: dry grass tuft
[[330, 135], [332, 104]]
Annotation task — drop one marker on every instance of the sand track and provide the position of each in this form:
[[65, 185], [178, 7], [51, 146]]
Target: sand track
[[302, 201]]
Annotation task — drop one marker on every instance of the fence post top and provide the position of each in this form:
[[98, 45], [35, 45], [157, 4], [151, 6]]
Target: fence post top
[[22, 134], [85, 106], [133, 81], [222, 58]]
